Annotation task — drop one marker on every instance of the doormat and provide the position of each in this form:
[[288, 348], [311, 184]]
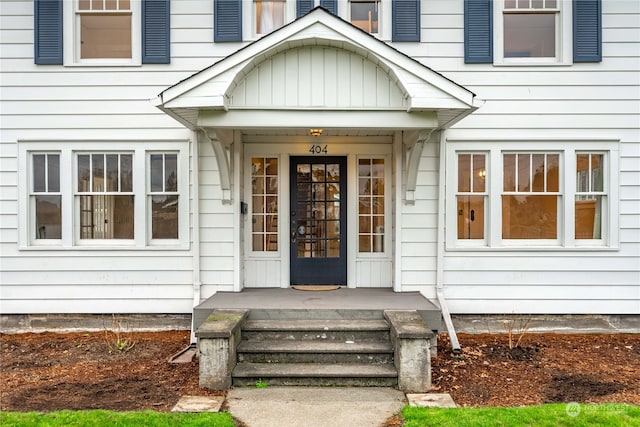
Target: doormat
[[315, 287]]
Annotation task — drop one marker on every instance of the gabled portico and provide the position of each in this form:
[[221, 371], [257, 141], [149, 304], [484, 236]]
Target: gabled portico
[[296, 197]]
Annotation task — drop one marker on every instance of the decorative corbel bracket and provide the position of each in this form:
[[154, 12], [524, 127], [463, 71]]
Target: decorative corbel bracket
[[221, 140], [414, 143]]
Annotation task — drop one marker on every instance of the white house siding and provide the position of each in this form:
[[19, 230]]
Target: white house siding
[[88, 104], [582, 101], [587, 101]]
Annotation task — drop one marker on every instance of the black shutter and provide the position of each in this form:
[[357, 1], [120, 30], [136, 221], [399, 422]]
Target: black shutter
[[330, 5], [478, 31], [406, 20], [156, 30], [587, 30], [48, 32], [303, 6], [227, 20]]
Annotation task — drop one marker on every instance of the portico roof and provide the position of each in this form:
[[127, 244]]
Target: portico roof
[[321, 71]]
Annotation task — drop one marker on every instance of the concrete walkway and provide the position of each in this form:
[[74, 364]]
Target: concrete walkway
[[314, 406]]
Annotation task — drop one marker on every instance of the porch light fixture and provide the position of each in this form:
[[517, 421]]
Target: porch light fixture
[[315, 132]]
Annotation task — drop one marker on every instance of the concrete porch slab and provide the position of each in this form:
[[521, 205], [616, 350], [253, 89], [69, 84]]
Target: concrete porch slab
[[431, 400], [338, 303], [199, 404]]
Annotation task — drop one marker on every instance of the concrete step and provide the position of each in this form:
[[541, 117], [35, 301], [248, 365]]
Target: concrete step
[[316, 329], [290, 351], [374, 375]]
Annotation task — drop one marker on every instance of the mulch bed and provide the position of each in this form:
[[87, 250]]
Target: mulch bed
[[49, 371]]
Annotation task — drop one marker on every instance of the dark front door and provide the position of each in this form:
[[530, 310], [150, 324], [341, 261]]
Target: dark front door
[[318, 221]]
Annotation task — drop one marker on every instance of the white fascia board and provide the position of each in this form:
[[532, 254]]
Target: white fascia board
[[340, 119], [418, 104], [198, 102]]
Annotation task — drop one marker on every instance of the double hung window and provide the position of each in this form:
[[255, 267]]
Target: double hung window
[[46, 198], [591, 196], [105, 196], [364, 15], [531, 197], [269, 15], [471, 195], [163, 195]]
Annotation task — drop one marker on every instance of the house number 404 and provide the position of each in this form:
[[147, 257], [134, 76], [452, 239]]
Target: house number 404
[[318, 149]]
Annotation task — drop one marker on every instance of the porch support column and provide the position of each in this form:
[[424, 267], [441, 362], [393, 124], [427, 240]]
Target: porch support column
[[221, 141], [415, 144]]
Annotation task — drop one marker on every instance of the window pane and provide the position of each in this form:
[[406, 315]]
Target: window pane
[[39, 171], [126, 173], [524, 172], [171, 172], [264, 190], [464, 170], [597, 173], [164, 217], [509, 174], [97, 167], [155, 163], [588, 217], [53, 173], [112, 172], [364, 15], [269, 16], [364, 167], [537, 167], [470, 217], [530, 217], [530, 35], [106, 217], [105, 36], [553, 172], [479, 173], [84, 173], [48, 217]]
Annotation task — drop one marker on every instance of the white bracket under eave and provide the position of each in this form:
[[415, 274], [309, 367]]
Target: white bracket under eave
[[414, 143], [221, 140]]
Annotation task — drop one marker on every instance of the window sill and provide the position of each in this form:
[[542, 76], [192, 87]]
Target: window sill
[[540, 249], [122, 248]]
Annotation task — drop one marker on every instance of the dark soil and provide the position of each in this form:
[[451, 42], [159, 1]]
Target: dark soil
[[48, 371]]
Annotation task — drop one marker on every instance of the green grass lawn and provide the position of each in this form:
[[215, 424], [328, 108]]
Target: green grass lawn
[[115, 419], [556, 415]]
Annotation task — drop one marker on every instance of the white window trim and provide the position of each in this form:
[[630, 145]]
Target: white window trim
[[68, 188], [71, 37], [566, 208], [30, 225], [564, 39]]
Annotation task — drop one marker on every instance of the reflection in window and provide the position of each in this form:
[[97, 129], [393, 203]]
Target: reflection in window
[[471, 195], [163, 182], [269, 15], [46, 198], [530, 28], [105, 193], [371, 205], [264, 201], [590, 196], [530, 196]]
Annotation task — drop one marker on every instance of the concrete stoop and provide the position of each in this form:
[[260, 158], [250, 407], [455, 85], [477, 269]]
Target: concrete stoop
[[389, 349]]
